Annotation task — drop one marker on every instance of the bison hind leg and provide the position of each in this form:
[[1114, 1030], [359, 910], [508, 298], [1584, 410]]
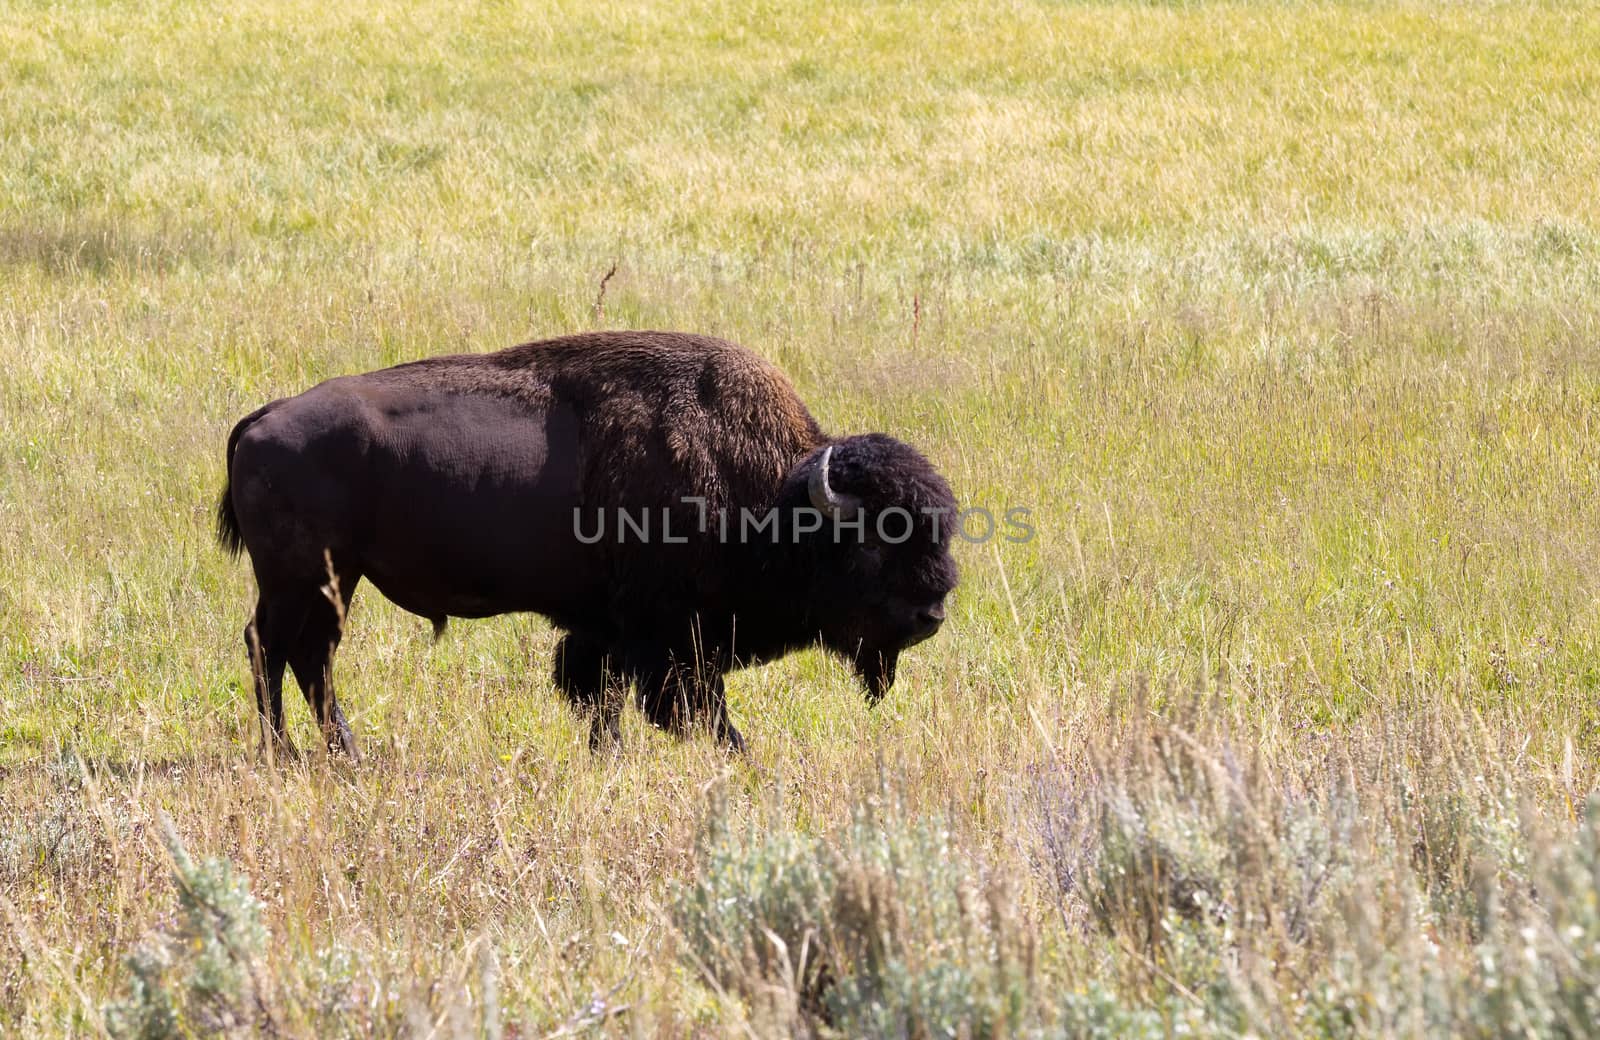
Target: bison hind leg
[[583, 672], [267, 644], [313, 616], [312, 662]]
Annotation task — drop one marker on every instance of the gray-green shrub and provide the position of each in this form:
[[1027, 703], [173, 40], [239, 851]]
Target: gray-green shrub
[[198, 976]]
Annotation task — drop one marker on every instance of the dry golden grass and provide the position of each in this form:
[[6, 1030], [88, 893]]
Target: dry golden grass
[[1281, 319]]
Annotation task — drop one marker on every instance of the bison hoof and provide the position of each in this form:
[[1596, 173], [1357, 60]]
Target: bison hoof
[[604, 735], [341, 743], [278, 748]]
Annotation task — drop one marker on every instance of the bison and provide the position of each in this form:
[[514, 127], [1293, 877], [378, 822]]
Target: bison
[[666, 500]]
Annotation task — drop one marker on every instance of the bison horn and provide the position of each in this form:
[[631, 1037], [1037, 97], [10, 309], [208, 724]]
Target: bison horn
[[823, 497]]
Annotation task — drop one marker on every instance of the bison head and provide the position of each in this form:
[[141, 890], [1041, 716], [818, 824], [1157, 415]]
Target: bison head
[[879, 565]]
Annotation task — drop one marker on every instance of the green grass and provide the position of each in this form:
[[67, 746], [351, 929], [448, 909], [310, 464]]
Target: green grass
[[1283, 321]]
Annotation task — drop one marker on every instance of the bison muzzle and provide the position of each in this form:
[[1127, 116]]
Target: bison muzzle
[[665, 500]]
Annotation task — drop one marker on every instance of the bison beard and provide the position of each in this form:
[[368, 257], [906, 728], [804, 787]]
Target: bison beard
[[453, 484]]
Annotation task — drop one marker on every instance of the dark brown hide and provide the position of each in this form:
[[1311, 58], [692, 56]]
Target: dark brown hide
[[460, 485]]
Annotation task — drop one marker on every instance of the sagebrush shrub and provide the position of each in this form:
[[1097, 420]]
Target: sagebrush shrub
[[884, 928], [64, 836], [199, 976]]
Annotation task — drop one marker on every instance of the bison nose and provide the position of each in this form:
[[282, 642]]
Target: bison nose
[[931, 617]]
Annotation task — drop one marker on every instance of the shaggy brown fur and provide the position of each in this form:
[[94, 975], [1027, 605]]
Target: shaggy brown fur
[[453, 483]]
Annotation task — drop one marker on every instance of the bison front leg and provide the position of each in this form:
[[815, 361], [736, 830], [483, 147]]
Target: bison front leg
[[722, 726], [681, 694], [583, 671]]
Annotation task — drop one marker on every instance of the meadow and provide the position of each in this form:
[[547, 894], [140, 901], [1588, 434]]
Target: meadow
[[1283, 320]]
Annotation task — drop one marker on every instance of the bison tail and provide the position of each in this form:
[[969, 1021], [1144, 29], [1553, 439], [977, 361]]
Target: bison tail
[[228, 524], [228, 533]]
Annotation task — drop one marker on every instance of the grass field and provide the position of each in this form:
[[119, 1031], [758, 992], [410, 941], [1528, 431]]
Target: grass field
[[1283, 321]]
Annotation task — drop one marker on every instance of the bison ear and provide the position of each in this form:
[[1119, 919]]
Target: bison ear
[[876, 669]]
